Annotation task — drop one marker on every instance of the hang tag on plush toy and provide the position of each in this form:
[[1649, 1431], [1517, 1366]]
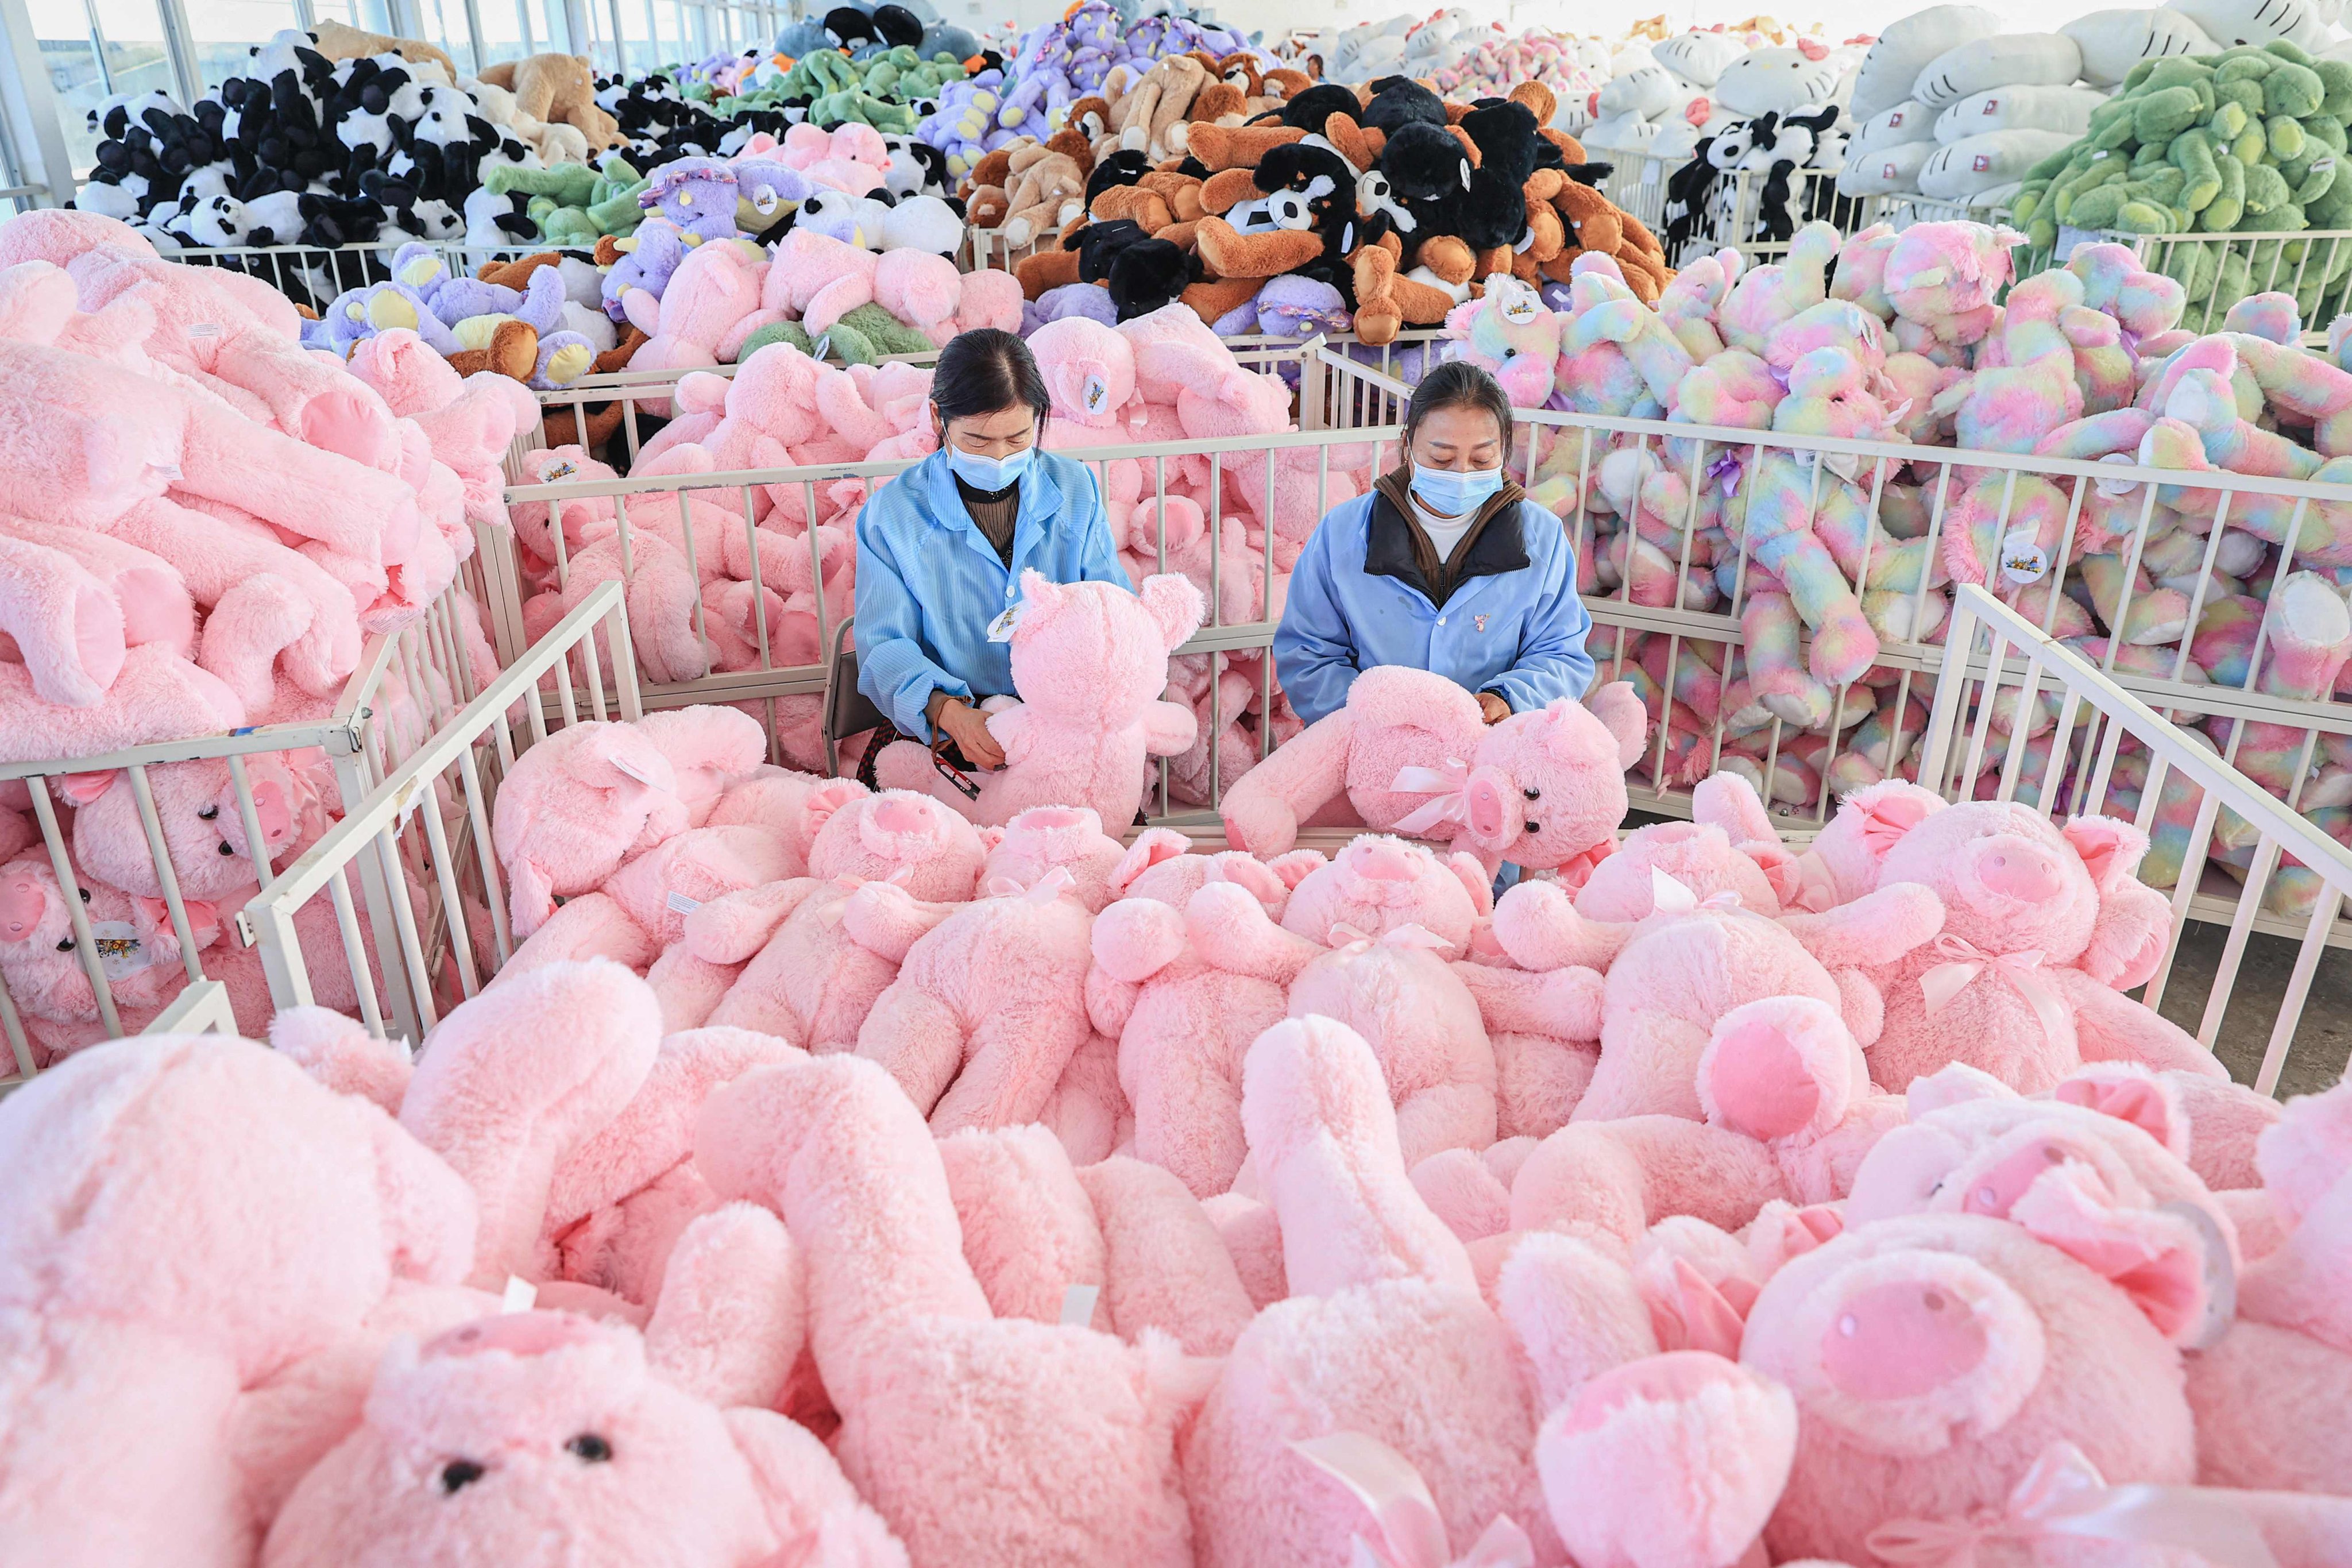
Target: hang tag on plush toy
[[120, 954], [680, 904], [1519, 309], [2220, 1277], [1094, 395], [1001, 629], [2023, 559], [2114, 490], [521, 1296], [816, 350], [561, 471], [1078, 1305], [204, 329], [168, 472], [629, 770]]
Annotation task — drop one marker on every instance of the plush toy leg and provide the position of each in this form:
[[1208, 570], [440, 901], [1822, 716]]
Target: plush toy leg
[[1167, 1268], [1776, 677], [68, 628]]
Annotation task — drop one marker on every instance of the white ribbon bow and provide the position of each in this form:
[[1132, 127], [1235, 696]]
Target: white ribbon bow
[[1671, 896], [1345, 935], [1044, 891], [2064, 1495], [1450, 786], [2021, 970]]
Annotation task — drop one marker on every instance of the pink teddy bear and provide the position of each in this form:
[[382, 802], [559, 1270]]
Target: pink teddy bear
[[1412, 753], [313, 1213], [1089, 662], [473, 1440], [964, 1430], [807, 974], [1360, 941]]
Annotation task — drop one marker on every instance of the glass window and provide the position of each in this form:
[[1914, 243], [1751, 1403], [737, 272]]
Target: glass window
[[92, 50], [226, 31], [514, 28]]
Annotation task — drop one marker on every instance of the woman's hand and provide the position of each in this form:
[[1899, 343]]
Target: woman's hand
[[1495, 708], [968, 727]]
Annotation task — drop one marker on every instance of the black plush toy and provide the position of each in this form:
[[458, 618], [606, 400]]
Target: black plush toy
[[1495, 211], [1309, 186], [1428, 173], [1147, 275], [1122, 168], [1398, 101], [895, 24], [1313, 108]]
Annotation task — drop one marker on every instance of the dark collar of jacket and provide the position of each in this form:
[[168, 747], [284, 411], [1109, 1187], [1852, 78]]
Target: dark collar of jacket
[[1395, 545]]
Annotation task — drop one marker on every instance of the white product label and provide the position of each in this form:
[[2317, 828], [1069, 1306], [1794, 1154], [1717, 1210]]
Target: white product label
[[204, 329], [520, 1295], [2023, 559], [1078, 1305], [1896, 118], [1982, 164], [168, 472], [630, 769], [1095, 394], [1992, 105], [2068, 238], [680, 904], [120, 954], [1518, 309], [563, 470], [2114, 490], [1001, 629]]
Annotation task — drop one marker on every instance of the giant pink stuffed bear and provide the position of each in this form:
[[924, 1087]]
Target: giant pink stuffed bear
[[293, 1213], [978, 1439], [1412, 753], [1089, 662], [807, 976]]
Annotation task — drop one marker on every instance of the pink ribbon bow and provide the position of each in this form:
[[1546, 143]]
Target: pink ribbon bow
[[1449, 786], [2064, 1495], [1671, 896], [1411, 1534], [1345, 935], [2023, 970]]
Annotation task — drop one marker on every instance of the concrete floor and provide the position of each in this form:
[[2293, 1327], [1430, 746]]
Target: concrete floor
[[2323, 1037]]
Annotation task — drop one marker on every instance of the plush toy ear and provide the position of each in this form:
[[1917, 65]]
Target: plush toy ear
[[1619, 709], [1772, 1069], [1175, 603], [1729, 802], [1294, 867], [1151, 846], [80, 789], [1694, 1314], [819, 805], [1253, 875], [2129, 1093], [1955, 1083], [2173, 1261], [1884, 815], [2110, 849]]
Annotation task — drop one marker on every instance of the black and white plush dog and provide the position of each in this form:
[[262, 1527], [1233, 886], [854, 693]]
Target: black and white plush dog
[[1737, 187]]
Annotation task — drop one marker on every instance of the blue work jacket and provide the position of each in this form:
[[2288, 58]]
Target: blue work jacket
[[1512, 624], [928, 582]]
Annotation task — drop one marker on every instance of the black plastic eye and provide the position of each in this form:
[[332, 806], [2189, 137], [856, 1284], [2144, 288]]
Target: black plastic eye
[[459, 1474], [66, 945], [1532, 826], [208, 814], [1532, 794], [85, 894], [226, 850], [590, 1447]]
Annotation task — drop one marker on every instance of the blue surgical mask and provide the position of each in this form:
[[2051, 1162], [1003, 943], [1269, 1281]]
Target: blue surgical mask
[[990, 474], [1451, 494]]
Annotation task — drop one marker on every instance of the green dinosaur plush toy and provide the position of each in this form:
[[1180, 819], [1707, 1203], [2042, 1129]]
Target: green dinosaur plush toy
[[2243, 142], [863, 335]]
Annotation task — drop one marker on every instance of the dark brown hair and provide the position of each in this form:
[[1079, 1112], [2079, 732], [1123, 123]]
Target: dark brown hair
[[986, 371], [1458, 384]]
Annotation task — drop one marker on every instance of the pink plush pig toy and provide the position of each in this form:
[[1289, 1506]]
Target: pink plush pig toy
[[1412, 753]]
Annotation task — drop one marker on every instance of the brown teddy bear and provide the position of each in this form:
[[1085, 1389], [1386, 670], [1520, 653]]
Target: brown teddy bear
[[1048, 186], [561, 90]]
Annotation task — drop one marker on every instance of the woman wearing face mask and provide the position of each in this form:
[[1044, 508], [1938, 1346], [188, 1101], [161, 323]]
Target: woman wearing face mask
[[940, 550], [1446, 566]]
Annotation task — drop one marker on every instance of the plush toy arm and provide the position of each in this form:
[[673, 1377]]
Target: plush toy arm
[[2109, 1026], [594, 925], [1110, 1000], [809, 1504], [1230, 930], [887, 920], [1170, 729], [1564, 1004], [1876, 928], [733, 1310], [733, 928], [1265, 806], [1538, 928], [1456, 1114], [1577, 1313], [2128, 940]]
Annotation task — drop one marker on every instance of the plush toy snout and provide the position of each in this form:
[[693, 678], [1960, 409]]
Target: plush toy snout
[[2004, 867], [1913, 1344], [21, 905]]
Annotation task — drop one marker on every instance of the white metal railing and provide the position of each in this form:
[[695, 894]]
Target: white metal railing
[[2096, 718], [320, 272], [1732, 213], [424, 833], [406, 685]]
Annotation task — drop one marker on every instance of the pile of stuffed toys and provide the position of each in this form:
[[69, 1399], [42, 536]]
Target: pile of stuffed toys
[[829, 1180], [703, 596], [204, 523], [1896, 336]]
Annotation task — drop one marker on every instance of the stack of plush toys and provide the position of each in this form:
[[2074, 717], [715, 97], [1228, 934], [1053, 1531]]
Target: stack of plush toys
[[946, 1195], [1895, 337], [704, 596], [204, 523], [1302, 205]]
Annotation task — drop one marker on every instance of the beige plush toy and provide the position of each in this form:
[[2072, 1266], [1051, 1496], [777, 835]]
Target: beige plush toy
[[553, 143], [338, 42], [560, 89]]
